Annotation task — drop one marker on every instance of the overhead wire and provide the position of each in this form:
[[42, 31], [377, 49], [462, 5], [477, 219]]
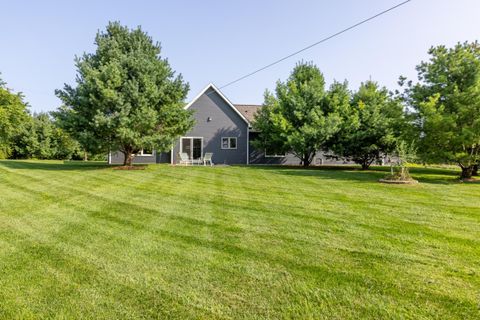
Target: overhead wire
[[336, 34]]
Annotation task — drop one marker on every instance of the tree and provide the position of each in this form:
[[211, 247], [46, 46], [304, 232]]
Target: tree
[[405, 154], [42, 139], [13, 116], [446, 106], [126, 98], [370, 127], [296, 119]]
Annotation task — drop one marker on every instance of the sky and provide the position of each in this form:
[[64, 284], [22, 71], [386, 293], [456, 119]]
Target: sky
[[220, 41]]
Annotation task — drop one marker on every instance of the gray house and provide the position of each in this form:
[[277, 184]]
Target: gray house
[[221, 128]]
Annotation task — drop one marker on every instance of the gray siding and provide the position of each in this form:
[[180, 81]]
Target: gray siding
[[117, 158], [214, 119], [163, 157], [258, 157], [225, 122]]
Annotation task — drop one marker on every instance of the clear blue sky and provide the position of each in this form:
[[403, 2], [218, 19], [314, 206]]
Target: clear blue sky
[[219, 41]]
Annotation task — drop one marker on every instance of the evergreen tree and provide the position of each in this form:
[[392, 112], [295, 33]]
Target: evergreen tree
[[126, 96]]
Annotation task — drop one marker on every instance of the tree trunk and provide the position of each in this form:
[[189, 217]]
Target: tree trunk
[[85, 155], [475, 170], [467, 172], [306, 159], [366, 163], [128, 159]]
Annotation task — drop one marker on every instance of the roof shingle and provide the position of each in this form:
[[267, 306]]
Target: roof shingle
[[248, 110]]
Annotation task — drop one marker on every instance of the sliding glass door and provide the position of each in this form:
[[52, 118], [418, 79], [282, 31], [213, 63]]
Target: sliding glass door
[[192, 147]]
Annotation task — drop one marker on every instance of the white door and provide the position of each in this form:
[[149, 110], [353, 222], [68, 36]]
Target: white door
[[192, 146]]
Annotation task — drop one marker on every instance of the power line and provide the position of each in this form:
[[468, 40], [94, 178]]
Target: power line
[[317, 43]]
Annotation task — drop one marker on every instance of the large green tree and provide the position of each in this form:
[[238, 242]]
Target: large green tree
[[370, 126], [13, 117], [297, 118], [446, 105], [42, 139], [126, 96]]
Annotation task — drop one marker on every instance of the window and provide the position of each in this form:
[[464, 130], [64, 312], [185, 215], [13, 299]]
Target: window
[[229, 143], [145, 152], [272, 154]]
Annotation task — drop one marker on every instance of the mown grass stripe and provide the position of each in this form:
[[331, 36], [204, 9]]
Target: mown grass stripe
[[87, 241]]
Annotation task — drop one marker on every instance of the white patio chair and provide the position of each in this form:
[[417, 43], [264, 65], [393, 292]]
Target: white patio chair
[[184, 159], [207, 158], [198, 161]]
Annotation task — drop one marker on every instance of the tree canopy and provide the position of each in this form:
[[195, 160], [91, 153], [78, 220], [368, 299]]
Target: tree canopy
[[41, 138], [445, 103], [126, 96], [13, 117], [370, 126], [297, 118]]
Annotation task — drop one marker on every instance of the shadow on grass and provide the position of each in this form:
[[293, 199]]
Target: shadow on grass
[[141, 218], [53, 165], [339, 172], [436, 175], [355, 174]]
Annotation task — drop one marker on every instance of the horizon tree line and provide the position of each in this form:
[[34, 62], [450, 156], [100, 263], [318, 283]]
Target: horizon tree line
[[127, 97]]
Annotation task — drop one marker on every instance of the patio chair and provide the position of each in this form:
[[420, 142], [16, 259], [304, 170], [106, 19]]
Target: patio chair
[[198, 161], [184, 159], [208, 158]]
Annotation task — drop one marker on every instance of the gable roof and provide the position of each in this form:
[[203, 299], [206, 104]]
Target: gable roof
[[248, 110], [212, 86]]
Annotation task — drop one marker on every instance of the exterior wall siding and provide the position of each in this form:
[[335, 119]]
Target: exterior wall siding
[[117, 158], [258, 157], [214, 119], [163, 157]]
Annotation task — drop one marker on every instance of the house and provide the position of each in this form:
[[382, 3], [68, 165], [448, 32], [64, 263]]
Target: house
[[222, 128]]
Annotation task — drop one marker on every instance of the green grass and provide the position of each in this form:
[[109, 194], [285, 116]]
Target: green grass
[[86, 241]]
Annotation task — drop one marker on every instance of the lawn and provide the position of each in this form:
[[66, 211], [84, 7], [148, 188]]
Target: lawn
[[85, 241]]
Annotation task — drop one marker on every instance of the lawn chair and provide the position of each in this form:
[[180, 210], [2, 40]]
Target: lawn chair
[[184, 159], [208, 158]]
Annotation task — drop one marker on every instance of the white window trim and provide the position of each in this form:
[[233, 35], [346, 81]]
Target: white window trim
[[274, 155], [141, 154], [229, 143]]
